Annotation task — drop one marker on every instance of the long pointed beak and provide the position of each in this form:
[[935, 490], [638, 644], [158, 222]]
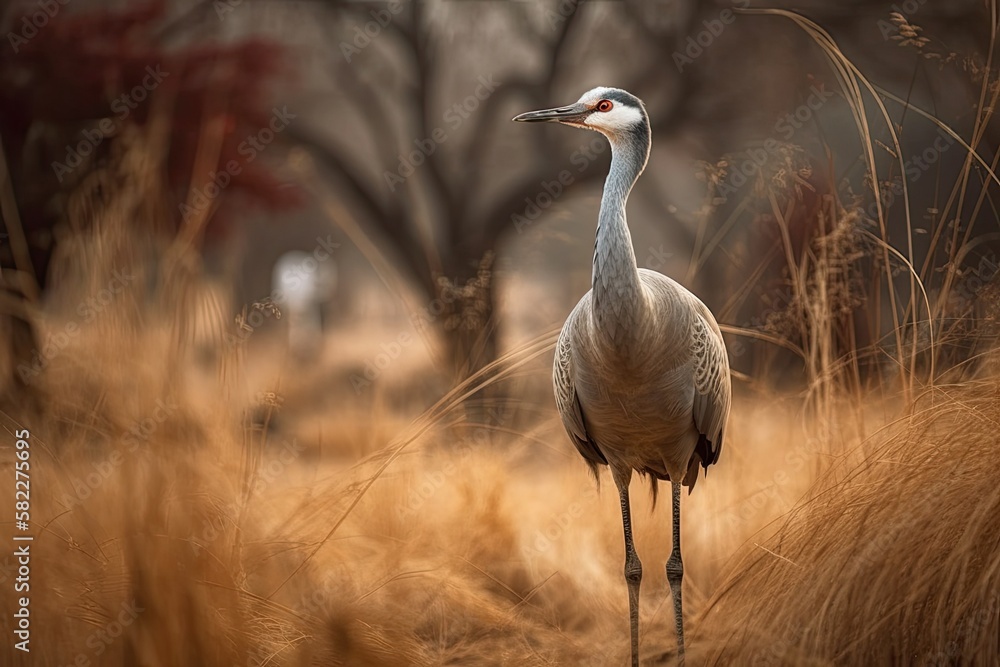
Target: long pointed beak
[[574, 113]]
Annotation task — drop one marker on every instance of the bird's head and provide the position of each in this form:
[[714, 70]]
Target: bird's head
[[613, 112]]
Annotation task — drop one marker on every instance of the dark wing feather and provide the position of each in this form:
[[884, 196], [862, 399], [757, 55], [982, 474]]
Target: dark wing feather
[[713, 389], [569, 404]]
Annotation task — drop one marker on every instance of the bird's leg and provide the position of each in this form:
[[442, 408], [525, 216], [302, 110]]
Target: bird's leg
[[675, 569], [633, 568]]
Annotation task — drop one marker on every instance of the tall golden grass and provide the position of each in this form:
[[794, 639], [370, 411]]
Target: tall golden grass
[[205, 541], [890, 560]]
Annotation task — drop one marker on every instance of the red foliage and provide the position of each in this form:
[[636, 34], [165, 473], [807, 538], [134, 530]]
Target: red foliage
[[75, 73]]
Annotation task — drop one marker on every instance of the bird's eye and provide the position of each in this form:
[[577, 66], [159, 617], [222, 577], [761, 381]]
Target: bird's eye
[[605, 105]]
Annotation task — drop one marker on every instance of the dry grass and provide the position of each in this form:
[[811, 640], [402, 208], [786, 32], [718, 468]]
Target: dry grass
[[242, 548], [894, 559]]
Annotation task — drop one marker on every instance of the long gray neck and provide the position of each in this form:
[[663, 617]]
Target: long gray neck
[[618, 297]]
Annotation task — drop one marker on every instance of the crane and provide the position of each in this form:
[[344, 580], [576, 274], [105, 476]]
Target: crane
[[641, 374]]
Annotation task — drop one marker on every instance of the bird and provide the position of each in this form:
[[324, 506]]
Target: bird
[[641, 372]]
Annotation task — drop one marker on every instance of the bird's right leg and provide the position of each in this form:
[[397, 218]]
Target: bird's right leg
[[675, 569], [633, 568]]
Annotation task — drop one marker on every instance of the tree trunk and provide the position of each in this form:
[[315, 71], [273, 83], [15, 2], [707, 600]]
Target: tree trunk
[[466, 305]]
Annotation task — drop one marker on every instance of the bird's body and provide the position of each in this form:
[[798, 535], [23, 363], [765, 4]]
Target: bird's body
[[641, 374], [629, 400]]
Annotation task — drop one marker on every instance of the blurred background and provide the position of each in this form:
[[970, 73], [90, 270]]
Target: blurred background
[[374, 139], [265, 265]]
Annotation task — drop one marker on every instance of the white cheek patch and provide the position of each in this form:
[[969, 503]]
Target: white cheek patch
[[619, 119]]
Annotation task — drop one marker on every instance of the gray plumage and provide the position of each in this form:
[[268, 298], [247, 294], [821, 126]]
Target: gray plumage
[[641, 373], [645, 393]]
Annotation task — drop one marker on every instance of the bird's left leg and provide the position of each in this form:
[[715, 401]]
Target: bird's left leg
[[633, 568], [675, 569]]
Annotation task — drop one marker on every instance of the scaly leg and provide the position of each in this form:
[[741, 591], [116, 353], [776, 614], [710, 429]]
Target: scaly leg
[[633, 568], [675, 570]]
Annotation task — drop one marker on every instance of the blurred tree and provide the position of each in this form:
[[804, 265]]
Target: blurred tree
[[416, 88], [71, 82]]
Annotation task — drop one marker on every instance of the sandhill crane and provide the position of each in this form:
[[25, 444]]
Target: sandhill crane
[[641, 374]]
